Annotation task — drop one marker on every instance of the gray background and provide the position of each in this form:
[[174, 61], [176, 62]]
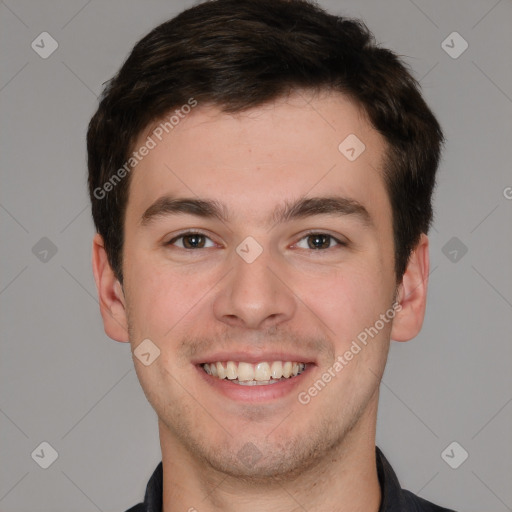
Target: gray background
[[64, 382]]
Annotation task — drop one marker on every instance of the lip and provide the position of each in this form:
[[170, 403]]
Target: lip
[[254, 394]]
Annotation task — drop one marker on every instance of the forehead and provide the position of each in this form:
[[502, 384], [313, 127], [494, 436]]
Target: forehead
[[299, 145]]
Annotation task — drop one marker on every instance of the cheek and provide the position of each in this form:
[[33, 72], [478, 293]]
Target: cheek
[[349, 301], [163, 302]]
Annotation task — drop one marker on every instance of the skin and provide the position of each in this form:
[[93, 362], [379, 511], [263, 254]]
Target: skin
[[292, 298]]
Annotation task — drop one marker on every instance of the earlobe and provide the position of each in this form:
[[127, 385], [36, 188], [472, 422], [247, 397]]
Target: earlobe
[[412, 294], [110, 293]]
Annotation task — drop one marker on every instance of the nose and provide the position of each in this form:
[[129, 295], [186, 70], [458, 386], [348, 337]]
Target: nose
[[255, 295]]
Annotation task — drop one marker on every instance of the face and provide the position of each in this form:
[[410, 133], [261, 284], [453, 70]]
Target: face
[[255, 248]]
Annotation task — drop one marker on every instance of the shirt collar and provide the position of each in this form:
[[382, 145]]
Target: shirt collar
[[392, 497]]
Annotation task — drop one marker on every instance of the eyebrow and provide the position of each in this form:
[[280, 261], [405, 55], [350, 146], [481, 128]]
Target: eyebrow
[[303, 207]]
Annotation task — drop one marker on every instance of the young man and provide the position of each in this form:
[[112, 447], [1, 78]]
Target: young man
[[261, 177]]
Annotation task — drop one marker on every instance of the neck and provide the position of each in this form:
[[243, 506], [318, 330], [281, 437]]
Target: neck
[[345, 479]]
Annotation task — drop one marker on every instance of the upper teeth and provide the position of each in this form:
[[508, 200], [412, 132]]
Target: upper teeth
[[260, 372]]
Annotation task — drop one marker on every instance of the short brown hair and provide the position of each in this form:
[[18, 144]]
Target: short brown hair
[[240, 54]]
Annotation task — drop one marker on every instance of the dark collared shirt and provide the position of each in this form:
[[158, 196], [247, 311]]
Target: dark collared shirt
[[394, 498]]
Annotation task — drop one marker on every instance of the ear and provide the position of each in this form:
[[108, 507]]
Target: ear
[[110, 293], [412, 294]]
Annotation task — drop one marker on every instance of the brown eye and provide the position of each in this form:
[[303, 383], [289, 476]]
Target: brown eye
[[319, 241], [191, 241]]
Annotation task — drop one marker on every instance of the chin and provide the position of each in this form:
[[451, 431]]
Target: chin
[[260, 459]]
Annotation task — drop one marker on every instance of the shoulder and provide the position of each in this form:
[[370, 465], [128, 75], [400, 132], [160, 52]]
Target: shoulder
[[416, 504], [137, 508]]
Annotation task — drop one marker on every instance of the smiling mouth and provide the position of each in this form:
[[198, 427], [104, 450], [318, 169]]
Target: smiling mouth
[[259, 374]]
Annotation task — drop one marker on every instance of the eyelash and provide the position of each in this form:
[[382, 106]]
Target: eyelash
[[186, 234], [340, 243]]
